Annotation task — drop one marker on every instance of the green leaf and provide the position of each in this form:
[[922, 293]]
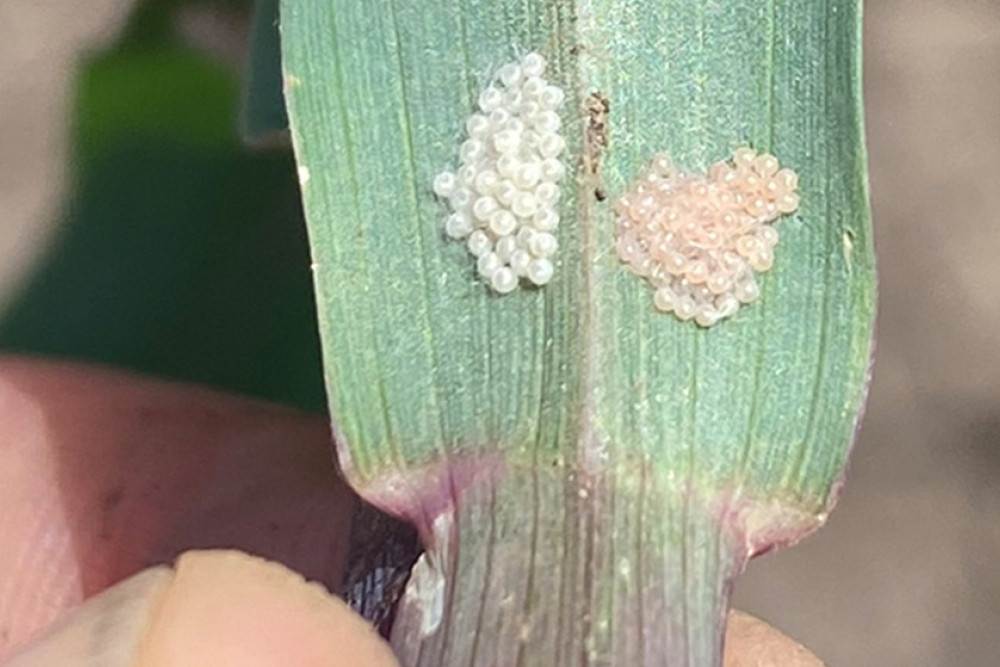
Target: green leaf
[[180, 253], [160, 93], [587, 474]]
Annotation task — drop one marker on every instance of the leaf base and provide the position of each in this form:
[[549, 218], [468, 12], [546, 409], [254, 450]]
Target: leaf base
[[548, 567]]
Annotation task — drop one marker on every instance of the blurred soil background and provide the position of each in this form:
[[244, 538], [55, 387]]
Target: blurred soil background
[[907, 571]]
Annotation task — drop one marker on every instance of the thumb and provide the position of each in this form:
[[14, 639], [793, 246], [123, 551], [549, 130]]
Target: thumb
[[218, 609], [753, 643]]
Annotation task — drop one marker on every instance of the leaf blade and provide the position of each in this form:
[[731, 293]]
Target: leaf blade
[[745, 426]]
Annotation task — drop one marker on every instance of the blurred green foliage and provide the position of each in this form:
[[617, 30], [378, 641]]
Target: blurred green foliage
[[265, 121], [181, 253]]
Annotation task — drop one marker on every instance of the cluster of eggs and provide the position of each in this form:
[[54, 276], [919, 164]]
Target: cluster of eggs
[[699, 240], [503, 196]]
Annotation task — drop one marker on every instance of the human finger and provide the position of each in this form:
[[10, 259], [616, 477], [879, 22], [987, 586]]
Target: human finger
[[104, 473], [217, 609]]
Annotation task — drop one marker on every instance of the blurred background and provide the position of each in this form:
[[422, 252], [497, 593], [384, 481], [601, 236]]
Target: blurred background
[[125, 188]]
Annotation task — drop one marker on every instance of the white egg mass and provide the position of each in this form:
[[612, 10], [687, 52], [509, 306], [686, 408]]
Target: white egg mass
[[503, 195]]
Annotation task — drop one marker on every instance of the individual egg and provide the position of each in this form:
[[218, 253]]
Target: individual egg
[[533, 88], [467, 176], [663, 299], [763, 260], [768, 236], [499, 118], [445, 184], [487, 264], [551, 97], [547, 193], [744, 157], [524, 236], [484, 207], [685, 308], [458, 226], [707, 316], [490, 99], [766, 165], [503, 280], [471, 150], [543, 244], [747, 291], [506, 142], [528, 175], [546, 220], [507, 166], [727, 304], [697, 271], [502, 222], [510, 74], [719, 283], [460, 199], [519, 261], [486, 182], [788, 203], [533, 64], [524, 205], [477, 126], [551, 145], [505, 192], [547, 122], [540, 271], [787, 179], [479, 243], [505, 247], [552, 170]]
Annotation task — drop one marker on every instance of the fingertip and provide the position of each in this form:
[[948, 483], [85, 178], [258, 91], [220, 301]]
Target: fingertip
[[229, 609], [753, 643], [215, 609], [103, 473], [106, 631]]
